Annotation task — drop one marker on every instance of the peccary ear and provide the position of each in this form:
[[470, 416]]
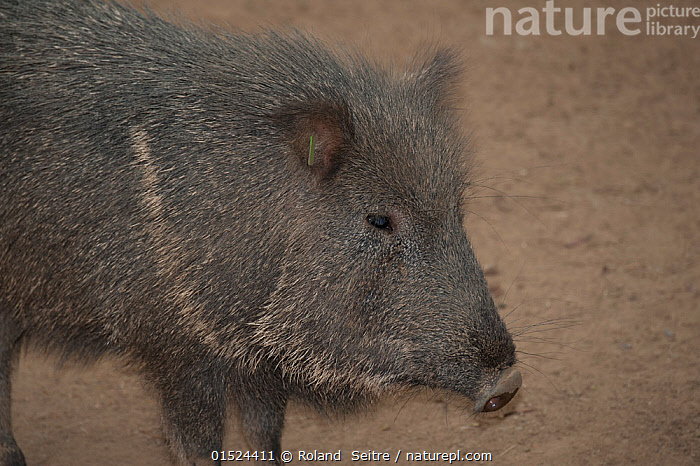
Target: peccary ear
[[437, 74], [318, 133]]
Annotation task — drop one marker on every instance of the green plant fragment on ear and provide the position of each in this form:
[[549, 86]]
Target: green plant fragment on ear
[[312, 149]]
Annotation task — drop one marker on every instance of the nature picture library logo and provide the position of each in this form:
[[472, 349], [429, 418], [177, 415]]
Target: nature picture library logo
[[659, 20]]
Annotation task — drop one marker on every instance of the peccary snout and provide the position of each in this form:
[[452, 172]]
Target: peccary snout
[[499, 395]]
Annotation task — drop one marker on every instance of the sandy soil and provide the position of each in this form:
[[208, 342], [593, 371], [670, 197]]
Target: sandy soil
[[588, 225]]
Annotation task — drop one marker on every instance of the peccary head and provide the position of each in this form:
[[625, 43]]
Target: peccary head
[[380, 288]]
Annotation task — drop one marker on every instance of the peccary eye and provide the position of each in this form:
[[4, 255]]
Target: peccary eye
[[381, 222]]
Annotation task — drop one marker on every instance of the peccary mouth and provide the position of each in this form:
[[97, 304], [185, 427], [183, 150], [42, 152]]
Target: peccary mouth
[[500, 393]]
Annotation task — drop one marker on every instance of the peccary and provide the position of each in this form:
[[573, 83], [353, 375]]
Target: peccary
[[162, 203]]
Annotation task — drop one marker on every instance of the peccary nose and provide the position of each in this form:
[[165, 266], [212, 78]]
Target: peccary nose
[[501, 392]]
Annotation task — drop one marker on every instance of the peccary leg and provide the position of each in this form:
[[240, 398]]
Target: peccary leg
[[10, 454], [262, 416], [194, 413]]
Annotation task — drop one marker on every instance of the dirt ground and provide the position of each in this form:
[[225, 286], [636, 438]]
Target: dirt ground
[[588, 226]]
